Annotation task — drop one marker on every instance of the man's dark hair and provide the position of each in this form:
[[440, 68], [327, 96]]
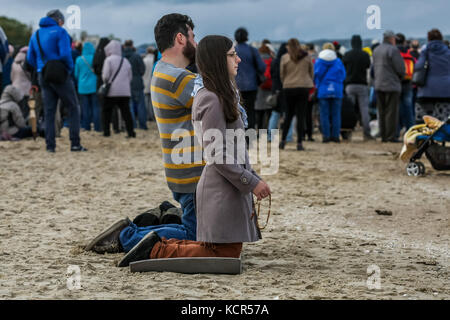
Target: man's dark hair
[[128, 43], [400, 38], [241, 35], [435, 34], [168, 27]]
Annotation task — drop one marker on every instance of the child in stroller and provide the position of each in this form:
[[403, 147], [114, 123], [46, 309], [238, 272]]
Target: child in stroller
[[428, 138]]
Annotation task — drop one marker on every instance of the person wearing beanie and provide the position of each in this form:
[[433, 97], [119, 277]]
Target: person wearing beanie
[[389, 70], [357, 62], [55, 44]]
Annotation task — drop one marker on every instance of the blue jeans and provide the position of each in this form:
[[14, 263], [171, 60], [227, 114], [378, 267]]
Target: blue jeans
[[137, 107], [406, 109], [273, 124], [91, 111], [187, 230], [50, 94], [330, 115]]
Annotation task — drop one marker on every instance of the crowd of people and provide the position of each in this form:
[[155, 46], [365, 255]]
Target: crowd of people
[[330, 90], [222, 85]]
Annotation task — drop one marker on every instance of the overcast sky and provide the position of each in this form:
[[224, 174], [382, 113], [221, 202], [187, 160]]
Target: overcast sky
[[272, 19]]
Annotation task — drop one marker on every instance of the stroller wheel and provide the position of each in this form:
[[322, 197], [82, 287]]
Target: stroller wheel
[[421, 167], [413, 169]]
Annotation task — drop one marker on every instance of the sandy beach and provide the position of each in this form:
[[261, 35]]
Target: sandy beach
[[323, 235]]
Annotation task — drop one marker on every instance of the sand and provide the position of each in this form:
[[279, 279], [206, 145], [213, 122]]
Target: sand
[[323, 238]]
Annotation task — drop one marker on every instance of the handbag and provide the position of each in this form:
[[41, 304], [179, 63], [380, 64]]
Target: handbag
[[54, 71], [102, 92], [272, 99], [419, 77]]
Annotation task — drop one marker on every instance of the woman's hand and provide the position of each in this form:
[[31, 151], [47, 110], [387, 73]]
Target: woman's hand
[[261, 190]]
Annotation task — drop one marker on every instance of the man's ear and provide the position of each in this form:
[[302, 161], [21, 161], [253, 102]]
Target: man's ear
[[180, 38]]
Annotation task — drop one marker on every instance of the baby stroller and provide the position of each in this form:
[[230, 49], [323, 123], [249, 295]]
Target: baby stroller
[[435, 150]]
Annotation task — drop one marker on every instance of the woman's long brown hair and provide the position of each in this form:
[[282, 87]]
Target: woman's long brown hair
[[296, 53], [211, 58]]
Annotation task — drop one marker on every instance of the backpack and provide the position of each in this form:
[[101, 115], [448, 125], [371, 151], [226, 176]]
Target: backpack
[[409, 64]]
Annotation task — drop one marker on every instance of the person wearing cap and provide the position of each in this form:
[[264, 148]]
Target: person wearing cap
[[55, 44], [389, 70]]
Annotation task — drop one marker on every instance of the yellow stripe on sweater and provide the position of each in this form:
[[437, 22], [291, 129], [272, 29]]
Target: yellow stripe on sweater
[[183, 181], [183, 135], [164, 76], [184, 166], [166, 106], [179, 90], [174, 120], [181, 150]]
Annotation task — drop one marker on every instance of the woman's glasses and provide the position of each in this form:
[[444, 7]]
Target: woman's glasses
[[232, 54]]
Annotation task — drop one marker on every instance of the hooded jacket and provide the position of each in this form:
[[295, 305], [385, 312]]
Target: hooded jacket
[[11, 118], [389, 68], [21, 79], [356, 62], [438, 78], [121, 86], [84, 72], [329, 75], [137, 69], [55, 43]]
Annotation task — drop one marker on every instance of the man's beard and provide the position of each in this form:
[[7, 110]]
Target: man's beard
[[189, 52]]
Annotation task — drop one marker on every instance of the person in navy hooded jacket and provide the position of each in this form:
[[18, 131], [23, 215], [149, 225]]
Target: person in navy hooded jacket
[[56, 45], [329, 76]]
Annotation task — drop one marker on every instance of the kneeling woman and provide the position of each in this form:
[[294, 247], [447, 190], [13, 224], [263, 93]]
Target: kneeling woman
[[224, 192]]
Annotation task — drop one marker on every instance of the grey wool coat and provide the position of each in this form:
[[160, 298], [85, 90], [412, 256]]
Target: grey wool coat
[[224, 202]]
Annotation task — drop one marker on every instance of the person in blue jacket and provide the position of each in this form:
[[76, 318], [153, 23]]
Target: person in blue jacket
[[55, 44], [87, 88], [247, 76], [329, 76], [437, 85]]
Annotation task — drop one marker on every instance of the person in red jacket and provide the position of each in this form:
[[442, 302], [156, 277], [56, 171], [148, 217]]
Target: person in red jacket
[[262, 109]]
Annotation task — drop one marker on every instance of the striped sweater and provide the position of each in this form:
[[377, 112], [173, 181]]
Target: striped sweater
[[171, 89]]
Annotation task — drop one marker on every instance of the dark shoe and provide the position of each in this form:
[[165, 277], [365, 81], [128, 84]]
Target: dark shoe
[[51, 150], [166, 205], [335, 140], [132, 135], [116, 131], [325, 140], [171, 216], [368, 138], [108, 241], [141, 251], [394, 141], [78, 149], [311, 139], [107, 134], [148, 218], [300, 147], [282, 145]]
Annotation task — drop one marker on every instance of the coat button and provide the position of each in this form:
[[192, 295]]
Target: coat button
[[244, 180]]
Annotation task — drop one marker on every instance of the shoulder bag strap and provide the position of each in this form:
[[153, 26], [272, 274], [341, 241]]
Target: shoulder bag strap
[[115, 75], [39, 44], [89, 66]]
